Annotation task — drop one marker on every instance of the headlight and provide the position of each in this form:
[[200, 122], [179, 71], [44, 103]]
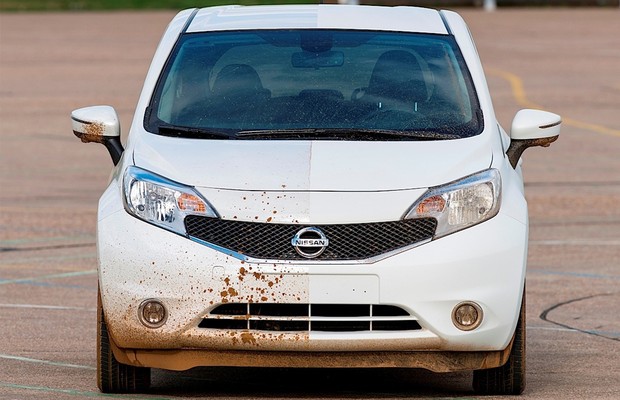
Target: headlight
[[460, 204], [160, 201]]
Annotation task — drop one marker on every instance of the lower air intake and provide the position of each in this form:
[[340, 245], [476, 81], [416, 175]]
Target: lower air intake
[[309, 318]]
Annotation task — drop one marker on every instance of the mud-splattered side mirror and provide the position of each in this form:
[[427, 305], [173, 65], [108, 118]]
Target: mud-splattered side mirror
[[99, 124], [532, 128]]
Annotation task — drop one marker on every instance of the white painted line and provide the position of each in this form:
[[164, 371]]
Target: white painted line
[[606, 334], [87, 238], [46, 307], [35, 260], [572, 274], [46, 362], [53, 276], [576, 242], [550, 328], [73, 392]]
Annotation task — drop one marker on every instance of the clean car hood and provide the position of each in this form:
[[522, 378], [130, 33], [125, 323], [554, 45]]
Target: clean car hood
[[304, 165]]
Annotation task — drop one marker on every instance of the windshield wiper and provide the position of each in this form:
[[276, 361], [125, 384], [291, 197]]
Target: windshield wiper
[[195, 133], [422, 135], [281, 133], [344, 134]]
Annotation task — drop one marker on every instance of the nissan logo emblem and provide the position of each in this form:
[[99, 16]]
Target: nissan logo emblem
[[310, 242]]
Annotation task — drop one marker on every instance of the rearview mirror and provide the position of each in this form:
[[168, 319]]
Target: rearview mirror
[[532, 128], [99, 124]]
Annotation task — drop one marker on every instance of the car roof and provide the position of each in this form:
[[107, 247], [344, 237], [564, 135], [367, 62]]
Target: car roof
[[318, 16]]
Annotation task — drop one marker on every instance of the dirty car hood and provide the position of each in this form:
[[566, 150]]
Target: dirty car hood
[[295, 165]]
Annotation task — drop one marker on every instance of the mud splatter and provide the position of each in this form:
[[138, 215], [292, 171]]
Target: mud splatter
[[248, 338]]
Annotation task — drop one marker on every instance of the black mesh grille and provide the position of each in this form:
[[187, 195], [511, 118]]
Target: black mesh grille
[[346, 242]]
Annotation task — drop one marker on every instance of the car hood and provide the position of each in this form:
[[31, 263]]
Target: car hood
[[304, 165]]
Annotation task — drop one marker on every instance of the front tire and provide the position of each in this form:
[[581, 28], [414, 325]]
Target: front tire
[[510, 377], [112, 376]]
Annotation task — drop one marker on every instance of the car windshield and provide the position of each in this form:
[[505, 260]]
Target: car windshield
[[315, 84]]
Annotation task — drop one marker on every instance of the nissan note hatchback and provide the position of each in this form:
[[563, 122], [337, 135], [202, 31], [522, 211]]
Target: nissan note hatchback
[[314, 186]]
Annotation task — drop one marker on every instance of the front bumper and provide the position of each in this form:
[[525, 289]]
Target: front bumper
[[436, 361], [484, 264]]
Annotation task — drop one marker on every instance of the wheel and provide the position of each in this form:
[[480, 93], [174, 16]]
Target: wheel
[[510, 377], [112, 376]]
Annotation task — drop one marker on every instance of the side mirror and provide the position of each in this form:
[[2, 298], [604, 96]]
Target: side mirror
[[532, 128], [99, 124]]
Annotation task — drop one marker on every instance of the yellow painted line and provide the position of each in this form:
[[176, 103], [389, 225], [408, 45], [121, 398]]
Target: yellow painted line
[[518, 91], [591, 127], [516, 84]]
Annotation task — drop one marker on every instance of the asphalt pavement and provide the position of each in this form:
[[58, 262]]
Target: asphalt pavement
[[563, 60]]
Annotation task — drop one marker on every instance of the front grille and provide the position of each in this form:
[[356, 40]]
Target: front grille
[[309, 317], [346, 242]]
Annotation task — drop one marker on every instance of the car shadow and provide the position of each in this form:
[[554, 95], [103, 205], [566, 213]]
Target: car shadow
[[311, 383]]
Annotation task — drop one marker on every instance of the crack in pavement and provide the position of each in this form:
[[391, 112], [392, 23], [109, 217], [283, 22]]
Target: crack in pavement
[[51, 247], [545, 313]]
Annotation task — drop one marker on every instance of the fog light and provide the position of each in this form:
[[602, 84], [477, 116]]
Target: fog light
[[152, 313], [467, 316]]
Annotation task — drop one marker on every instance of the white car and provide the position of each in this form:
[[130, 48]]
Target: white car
[[314, 186]]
